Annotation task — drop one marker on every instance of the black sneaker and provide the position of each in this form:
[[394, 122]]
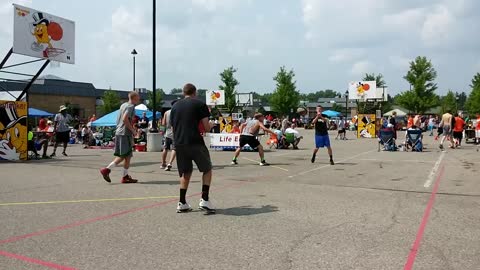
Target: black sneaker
[[441, 146], [64, 154], [313, 159], [234, 162], [331, 162], [53, 155]]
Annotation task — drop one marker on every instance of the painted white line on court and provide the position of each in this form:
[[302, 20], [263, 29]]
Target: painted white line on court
[[273, 166], [434, 170], [326, 166], [400, 160]]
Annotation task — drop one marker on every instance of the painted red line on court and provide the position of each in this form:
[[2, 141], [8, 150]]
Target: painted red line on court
[[35, 261], [416, 245], [92, 220]]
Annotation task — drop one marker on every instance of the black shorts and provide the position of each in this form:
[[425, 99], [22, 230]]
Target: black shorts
[[458, 135], [169, 145], [341, 131], [250, 140], [197, 153], [62, 137]]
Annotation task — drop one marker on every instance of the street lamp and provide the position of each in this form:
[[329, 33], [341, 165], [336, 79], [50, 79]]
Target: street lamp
[[346, 103], [134, 53], [154, 128]]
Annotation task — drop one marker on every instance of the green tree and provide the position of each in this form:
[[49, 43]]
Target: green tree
[[461, 100], [421, 77], [378, 78], [285, 98], [473, 102], [111, 102], [176, 91], [449, 102], [159, 99], [338, 107], [229, 84]]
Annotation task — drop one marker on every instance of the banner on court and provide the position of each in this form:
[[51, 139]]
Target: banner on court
[[13, 130], [42, 35], [366, 126]]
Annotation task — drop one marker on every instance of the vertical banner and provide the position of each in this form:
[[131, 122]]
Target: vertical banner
[[13, 130], [366, 126]]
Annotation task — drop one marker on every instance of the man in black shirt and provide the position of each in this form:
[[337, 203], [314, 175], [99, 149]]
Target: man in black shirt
[[186, 116], [321, 135]]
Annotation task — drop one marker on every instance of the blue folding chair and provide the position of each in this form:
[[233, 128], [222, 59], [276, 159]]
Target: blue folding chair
[[386, 138], [414, 140]]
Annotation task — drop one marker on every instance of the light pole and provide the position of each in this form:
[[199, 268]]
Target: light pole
[[134, 53], [154, 70], [346, 103]]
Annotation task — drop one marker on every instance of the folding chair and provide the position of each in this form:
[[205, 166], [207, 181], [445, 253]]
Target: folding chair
[[414, 139], [386, 138]]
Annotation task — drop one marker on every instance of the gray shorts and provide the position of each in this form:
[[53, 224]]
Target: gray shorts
[[447, 131], [123, 146]]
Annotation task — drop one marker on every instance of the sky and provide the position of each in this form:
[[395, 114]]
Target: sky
[[327, 43]]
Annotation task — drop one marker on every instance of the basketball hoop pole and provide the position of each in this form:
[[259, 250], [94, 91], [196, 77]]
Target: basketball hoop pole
[[154, 128]]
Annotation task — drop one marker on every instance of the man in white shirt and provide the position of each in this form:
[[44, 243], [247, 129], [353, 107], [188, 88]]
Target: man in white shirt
[[296, 134]]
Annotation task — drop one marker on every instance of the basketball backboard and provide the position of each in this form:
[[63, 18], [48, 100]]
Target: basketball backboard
[[244, 99], [42, 35]]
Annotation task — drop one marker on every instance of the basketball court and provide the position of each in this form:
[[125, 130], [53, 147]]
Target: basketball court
[[372, 210]]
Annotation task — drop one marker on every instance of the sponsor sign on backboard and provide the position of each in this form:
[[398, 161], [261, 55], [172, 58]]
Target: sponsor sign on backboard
[[42, 35], [215, 97], [363, 90]]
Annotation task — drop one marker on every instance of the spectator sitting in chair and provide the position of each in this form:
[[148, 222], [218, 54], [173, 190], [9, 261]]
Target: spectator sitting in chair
[[407, 142], [140, 136], [42, 140], [296, 134]]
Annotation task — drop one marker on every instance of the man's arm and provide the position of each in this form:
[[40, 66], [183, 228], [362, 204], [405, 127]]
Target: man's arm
[[242, 127], [206, 124], [164, 120], [128, 123], [264, 128]]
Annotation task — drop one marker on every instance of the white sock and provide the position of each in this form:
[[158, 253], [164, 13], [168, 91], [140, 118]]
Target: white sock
[[111, 165], [125, 172]]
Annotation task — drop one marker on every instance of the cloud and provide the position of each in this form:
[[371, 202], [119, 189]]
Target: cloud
[[361, 67], [437, 26], [346, 55]]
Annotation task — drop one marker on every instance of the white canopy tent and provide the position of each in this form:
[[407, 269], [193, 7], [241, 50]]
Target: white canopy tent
[[141, 107], [399, 112]]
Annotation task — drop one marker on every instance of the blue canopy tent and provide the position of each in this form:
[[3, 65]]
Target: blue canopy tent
[[330, 113], [32, 112], [110, 120]]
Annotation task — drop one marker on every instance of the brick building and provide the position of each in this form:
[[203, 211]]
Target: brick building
[[49, 93]]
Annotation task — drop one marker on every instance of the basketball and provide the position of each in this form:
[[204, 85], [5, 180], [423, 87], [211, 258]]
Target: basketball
[[55, 31], [302, 111]]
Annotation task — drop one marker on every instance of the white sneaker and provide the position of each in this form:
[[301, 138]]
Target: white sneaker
[[206, 205], [168, 168], [183, 207]]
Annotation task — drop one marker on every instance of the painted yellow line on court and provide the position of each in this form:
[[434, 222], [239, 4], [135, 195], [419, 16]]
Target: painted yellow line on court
[[82, 201], [273, 166]]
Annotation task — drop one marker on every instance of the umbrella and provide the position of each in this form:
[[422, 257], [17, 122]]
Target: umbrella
[[110, 120], [38, 113], [330, 113]]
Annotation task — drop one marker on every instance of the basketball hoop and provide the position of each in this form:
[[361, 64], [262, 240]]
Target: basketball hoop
[[52, 52]]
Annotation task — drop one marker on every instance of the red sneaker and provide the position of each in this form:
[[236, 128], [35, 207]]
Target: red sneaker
[[127, 179], [106, 174]]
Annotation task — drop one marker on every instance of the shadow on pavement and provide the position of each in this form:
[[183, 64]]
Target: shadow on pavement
[[164, 182], [247, 210]]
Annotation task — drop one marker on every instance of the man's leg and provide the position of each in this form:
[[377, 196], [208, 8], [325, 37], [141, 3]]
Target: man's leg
[[65, 144], [206, 181], [330, 153], [164, 157], [45, 147], [55, 147], [315, 150], [172, 157], [237, 153], [107, 170], [184, 182], [261, 153]]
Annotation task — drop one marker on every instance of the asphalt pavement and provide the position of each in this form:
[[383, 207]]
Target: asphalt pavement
[[372, 210]]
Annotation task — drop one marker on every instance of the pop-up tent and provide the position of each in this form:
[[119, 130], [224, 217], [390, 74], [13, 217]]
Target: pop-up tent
[[32, 112], [330, 113], [110, 120], [399, 112]]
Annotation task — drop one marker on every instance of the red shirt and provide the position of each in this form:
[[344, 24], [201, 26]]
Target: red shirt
[[42, 124], [478, 124], [459, 124]]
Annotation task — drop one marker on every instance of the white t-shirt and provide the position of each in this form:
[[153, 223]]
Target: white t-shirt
[[296, 134]]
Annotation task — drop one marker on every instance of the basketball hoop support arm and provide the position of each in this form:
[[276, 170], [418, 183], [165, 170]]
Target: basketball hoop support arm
[[27, 87], [6, 58]]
